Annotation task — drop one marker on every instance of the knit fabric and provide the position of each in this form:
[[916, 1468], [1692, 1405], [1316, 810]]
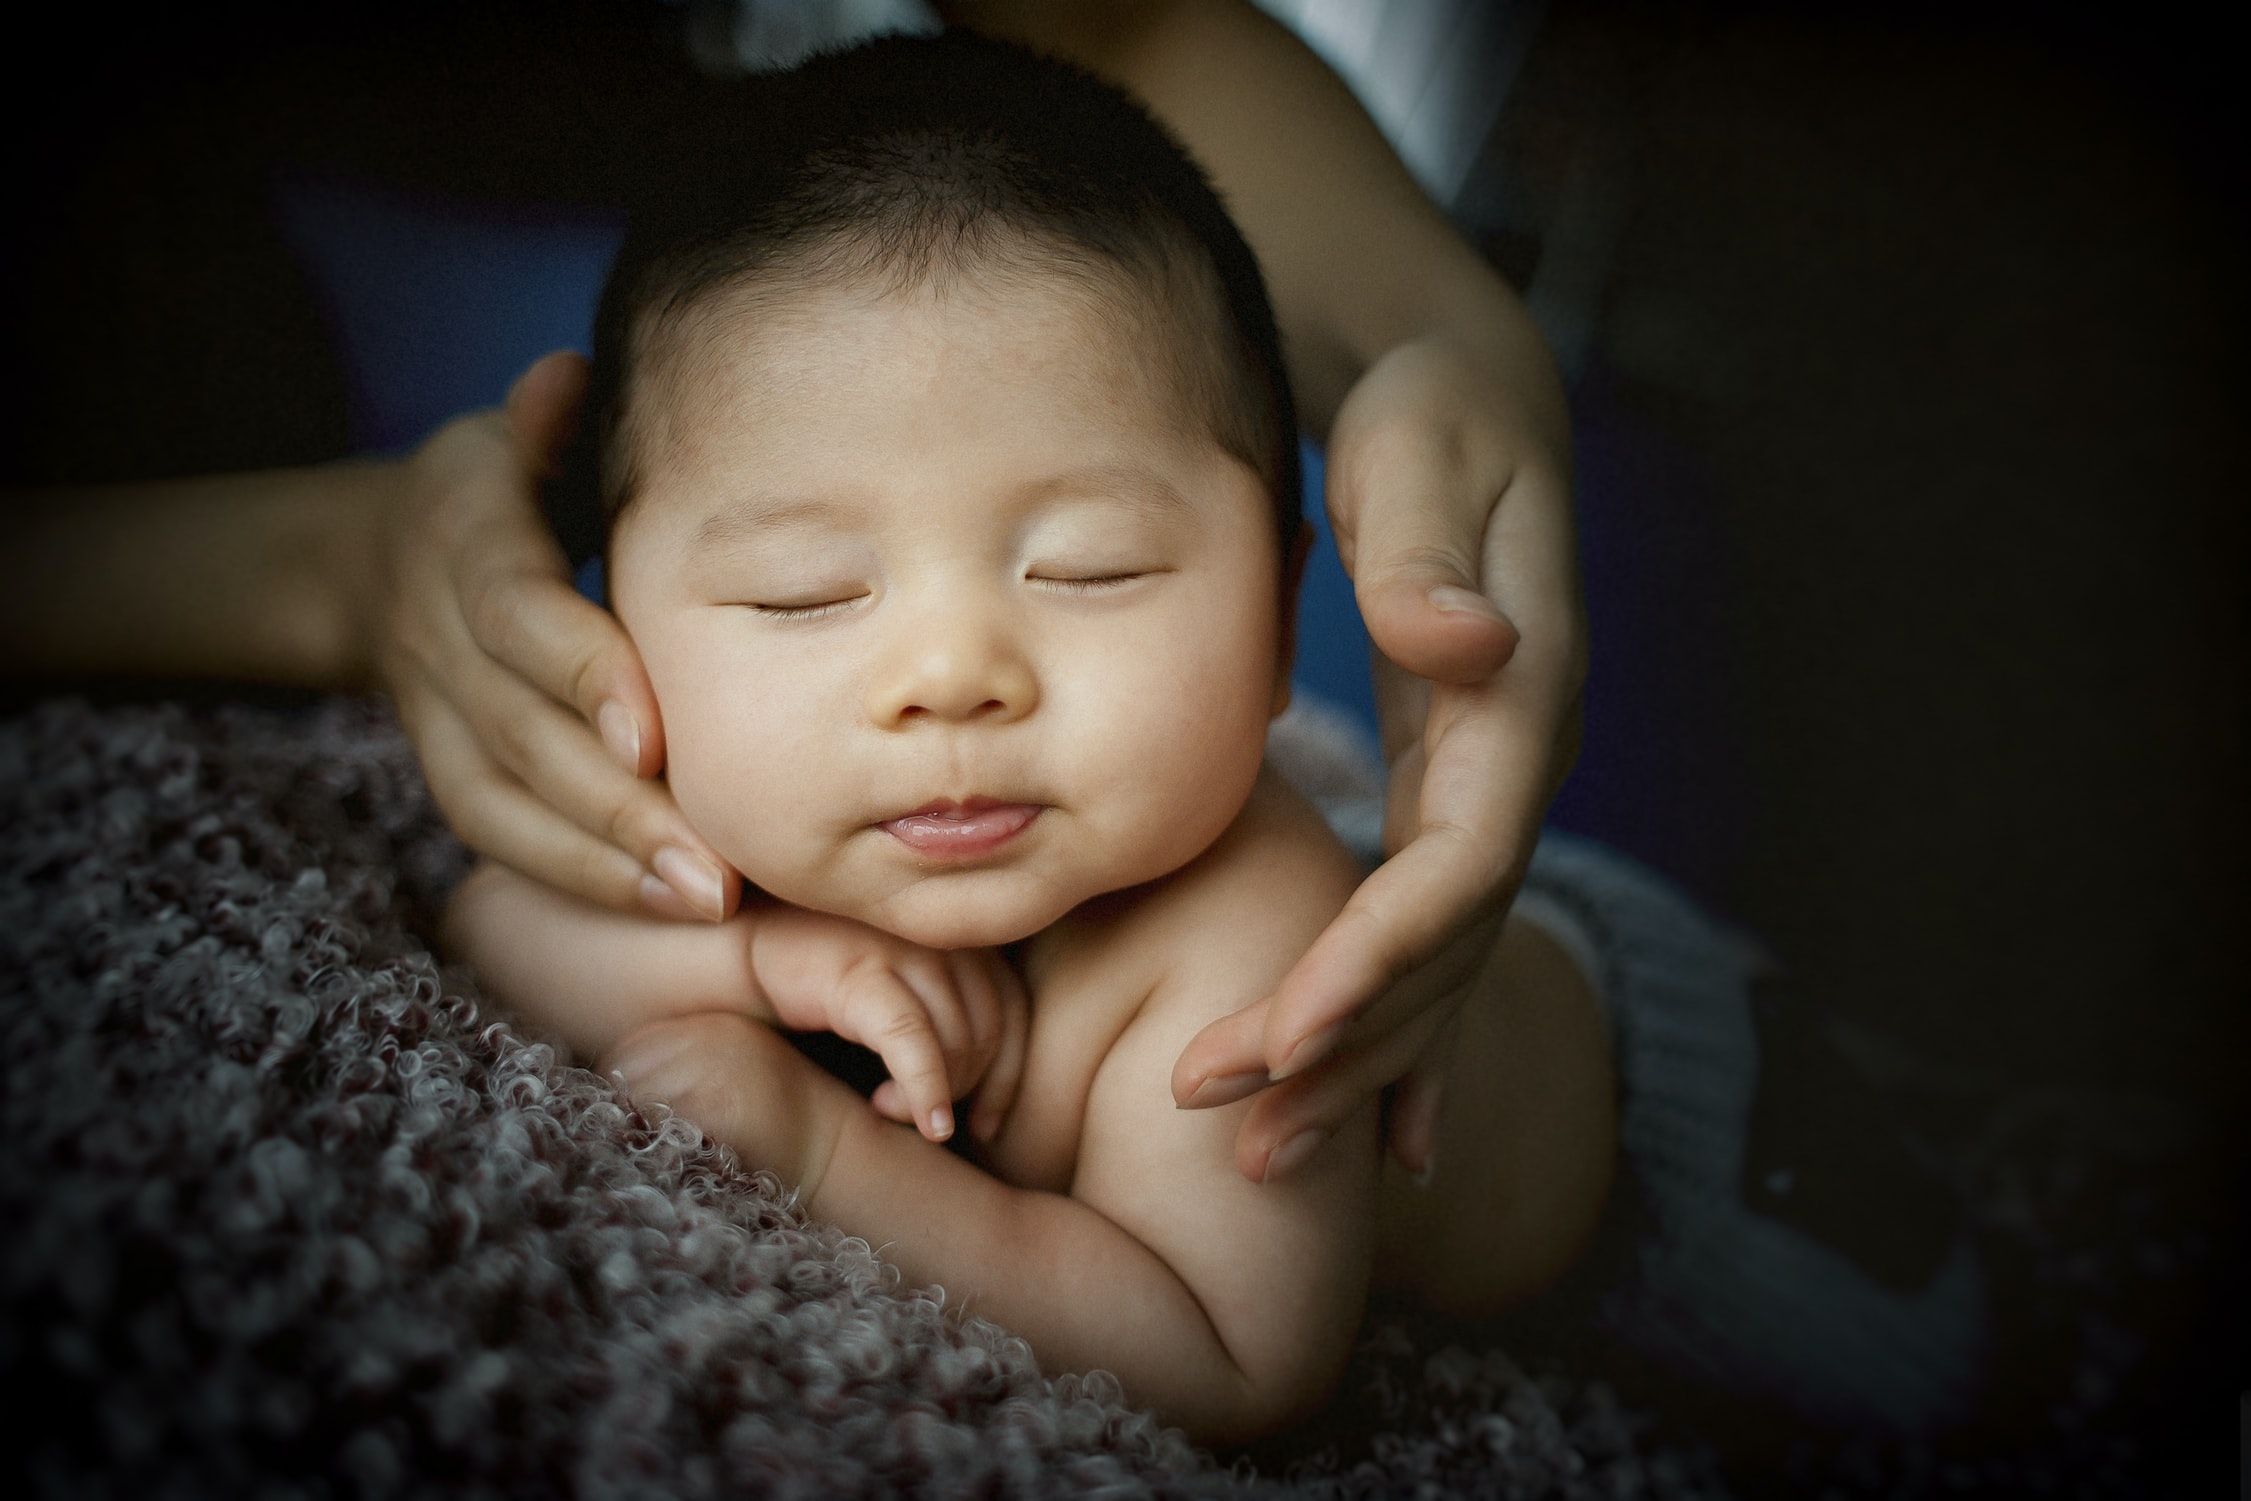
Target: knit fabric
[[1738, 1300], [288, 1211]]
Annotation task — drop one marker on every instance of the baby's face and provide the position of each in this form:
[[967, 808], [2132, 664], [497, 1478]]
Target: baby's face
[[955, 616]]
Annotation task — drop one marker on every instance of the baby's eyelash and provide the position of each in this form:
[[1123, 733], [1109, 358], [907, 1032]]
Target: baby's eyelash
[[821, 611], [1095, 584]]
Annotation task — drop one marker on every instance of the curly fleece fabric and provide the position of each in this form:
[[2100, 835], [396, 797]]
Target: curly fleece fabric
[[287, 1213]]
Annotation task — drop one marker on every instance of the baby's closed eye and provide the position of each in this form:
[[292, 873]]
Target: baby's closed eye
[[818, 604], [1089, 579]]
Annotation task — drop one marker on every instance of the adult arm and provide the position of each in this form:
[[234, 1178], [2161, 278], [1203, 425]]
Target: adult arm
[[539, 733], [1448, 443], [434, 578], [235, 577]]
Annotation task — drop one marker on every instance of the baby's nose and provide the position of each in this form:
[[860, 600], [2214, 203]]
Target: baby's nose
[[956, 670]]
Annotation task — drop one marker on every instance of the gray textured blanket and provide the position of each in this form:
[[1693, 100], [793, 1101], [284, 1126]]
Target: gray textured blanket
[[287, 1212]]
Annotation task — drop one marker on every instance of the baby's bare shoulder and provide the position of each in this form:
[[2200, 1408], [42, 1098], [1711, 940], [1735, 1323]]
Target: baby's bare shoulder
[[1224, 930]]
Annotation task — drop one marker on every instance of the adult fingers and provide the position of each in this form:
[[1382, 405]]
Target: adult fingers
[[1369, 971], [1400, 918], [543, 407], [1416, 559], [1454, 600], [1225, 1061], [511, 609], [494, 814], [1421, 453], [526, 616], [1411, 1128], [546, 751], [470, 554], [1319, 1101], [532, 622], [1467, 798], [1287, 1125]]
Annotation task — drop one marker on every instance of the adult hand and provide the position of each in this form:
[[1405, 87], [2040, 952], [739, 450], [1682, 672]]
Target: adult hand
[[528, 706], [1450, 501]]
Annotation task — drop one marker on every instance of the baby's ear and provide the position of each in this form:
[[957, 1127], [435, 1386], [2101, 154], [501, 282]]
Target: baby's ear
[[1293, 574]]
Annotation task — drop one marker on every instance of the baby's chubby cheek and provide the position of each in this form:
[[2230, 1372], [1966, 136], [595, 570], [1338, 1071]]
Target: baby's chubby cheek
[[763, 799]]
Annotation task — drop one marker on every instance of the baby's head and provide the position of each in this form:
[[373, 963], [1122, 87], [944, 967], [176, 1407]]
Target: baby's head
[[951, 479]]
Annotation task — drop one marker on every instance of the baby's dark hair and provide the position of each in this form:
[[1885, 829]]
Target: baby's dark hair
[[907, 162]]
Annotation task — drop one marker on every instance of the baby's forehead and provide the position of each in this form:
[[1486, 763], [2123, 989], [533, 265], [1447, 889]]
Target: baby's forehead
[[698, 362], [771, 314]]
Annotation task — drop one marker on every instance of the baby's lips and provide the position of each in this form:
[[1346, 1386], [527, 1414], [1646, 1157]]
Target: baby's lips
[[949, 829]]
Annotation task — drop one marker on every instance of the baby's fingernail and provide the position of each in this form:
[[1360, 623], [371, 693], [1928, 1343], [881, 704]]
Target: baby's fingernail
[[621, 732], [1421, 1176], [1224, 1089], [1454, 600], [1310, 1051], [665, 902], [695, 879], [941, 1123], [1294, 1154]]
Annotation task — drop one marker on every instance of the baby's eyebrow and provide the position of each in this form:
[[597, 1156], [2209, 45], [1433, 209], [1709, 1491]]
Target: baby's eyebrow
[[1130, 485], [753, 519], [1136, 487]]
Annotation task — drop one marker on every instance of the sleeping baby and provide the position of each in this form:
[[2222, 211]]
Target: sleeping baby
[[949, 473]]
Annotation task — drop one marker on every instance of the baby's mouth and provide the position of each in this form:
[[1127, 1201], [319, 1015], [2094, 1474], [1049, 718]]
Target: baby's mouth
[[967, 830]]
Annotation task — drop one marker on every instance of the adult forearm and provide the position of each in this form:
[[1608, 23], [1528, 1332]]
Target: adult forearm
[[258, 577], [1082, 1291], [1358, 258]]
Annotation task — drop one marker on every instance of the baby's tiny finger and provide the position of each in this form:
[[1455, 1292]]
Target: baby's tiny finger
[[882, 1013], [930, 976], [981, 1010], [996, 1095], [890, 1102]]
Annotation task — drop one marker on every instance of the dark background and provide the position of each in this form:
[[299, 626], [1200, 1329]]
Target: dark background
[[1910, 407]]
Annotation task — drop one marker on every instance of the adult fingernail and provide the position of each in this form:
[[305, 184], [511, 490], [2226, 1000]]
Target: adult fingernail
[[1421, 1176], [1224, 1089], [695, 878], [1294, 1154], [621, 732], [1454, 600], [941, 1124], [1310, 1050]]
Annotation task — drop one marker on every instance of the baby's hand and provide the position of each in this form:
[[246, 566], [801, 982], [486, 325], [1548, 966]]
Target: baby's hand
[[946, 1024]]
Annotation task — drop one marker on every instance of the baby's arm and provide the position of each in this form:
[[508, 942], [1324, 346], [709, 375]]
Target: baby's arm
[[944, 1023], [1226, 1306]]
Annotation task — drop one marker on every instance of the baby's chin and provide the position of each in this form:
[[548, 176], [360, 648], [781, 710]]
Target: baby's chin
[[946, 914]]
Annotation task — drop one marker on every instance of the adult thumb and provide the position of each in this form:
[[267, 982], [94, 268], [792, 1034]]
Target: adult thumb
[[543, 409], [1426, 616]]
